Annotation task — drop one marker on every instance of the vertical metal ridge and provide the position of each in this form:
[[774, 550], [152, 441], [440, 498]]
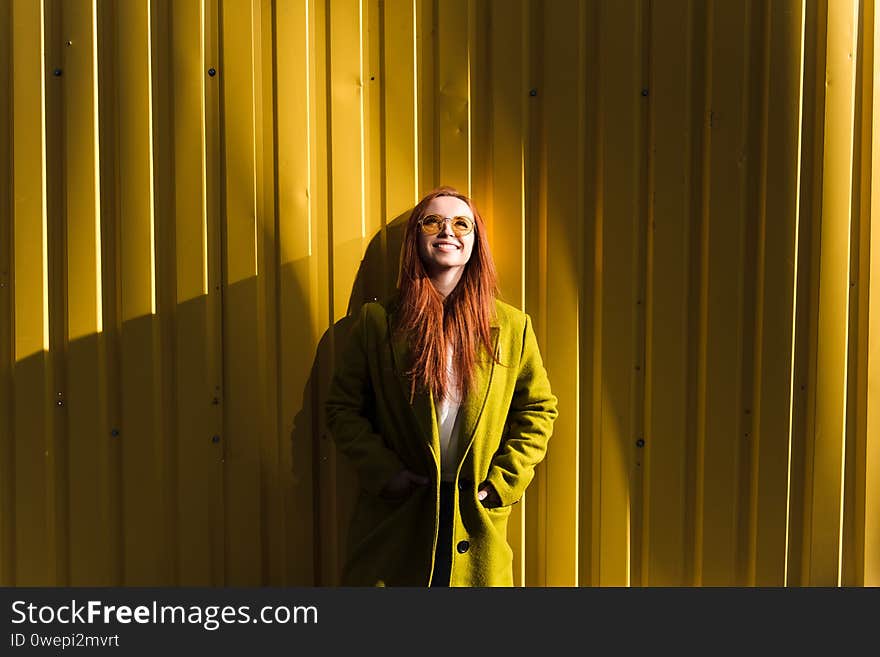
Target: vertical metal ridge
[[57, 455], [435, 113], [871, 291], [387, 263], [260, 277], [534, 562], [647, 296], [480, 62], [830, 284], [256, 102], [362, 119], [44, 191], [524, 213], [416, 108], [849, 408], [225, 284], [690, 191], [470, 67], [223, 274], [854, 49], [580, 205], [31, 395], [151, 156], [328, 140], [328, 136], [807, 314], [203, 118], [588, 518], [525, 159], [422, 58], [277, 297], [832, 346], [314, 237], [266, 243], [103, 119], [598, 317], [759, 301], [113, 277], [643, 148], [158, 198], [703, 305], [257, 94], [214, 248], [856, 473], [163, 161], [99, 310], [795, 289], [746, 282], [849, 464], [859, 518], [309, 122], [539, 216]]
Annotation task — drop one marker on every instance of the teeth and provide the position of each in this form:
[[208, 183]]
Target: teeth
[[447, 247]]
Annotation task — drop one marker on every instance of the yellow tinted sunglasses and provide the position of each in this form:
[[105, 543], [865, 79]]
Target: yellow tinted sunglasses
[[433, 223]]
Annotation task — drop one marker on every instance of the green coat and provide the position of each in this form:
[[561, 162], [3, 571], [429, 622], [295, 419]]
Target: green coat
[[506, 423]]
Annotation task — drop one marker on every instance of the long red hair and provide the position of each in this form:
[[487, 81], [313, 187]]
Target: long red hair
[[429, 322]]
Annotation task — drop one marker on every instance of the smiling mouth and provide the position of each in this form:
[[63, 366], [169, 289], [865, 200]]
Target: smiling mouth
[[446, 246]]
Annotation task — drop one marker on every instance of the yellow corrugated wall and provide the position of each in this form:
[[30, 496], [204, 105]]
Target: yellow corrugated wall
[[195, 194]]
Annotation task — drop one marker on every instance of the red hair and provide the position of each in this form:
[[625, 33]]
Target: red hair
[[429, 322]]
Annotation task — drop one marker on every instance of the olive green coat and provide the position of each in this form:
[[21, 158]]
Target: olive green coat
[[506, 423]]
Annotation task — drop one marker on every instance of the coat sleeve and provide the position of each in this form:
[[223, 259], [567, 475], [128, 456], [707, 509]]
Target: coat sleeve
[[530, 419], [349, 398]]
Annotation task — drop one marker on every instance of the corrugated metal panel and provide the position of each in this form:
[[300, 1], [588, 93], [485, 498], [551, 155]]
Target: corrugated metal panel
[[195, 195]]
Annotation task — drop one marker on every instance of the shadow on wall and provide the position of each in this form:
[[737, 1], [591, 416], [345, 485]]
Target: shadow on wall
[[334, 480], [115, 485], [122, 486]]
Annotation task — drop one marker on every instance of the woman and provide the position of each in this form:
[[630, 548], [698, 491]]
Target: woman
[[442, 403]]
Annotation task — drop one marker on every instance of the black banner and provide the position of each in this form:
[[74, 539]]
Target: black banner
[[270, 621]]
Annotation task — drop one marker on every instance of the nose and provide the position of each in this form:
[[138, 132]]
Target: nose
[[446, 230]]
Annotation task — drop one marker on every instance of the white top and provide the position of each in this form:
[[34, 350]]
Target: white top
[[448, 420]]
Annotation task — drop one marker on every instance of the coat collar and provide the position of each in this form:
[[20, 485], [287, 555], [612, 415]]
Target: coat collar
[[423, 404]]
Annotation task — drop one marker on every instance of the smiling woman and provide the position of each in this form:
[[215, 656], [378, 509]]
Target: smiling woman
[[446, 240], [442, 402]]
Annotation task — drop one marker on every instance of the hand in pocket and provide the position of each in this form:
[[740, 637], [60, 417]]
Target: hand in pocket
[[402, 484], [488, 496]]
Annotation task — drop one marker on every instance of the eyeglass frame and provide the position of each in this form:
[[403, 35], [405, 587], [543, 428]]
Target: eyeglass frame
[[448, 220]]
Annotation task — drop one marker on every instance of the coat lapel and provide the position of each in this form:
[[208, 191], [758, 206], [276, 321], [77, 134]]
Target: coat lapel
[[472, 405]]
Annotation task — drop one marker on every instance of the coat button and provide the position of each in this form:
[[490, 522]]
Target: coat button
[[462, 547]]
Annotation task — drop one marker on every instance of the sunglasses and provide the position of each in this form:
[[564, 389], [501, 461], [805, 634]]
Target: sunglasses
[[433, 224]]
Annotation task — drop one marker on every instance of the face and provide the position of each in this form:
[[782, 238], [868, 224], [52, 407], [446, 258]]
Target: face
[[445, 251]]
